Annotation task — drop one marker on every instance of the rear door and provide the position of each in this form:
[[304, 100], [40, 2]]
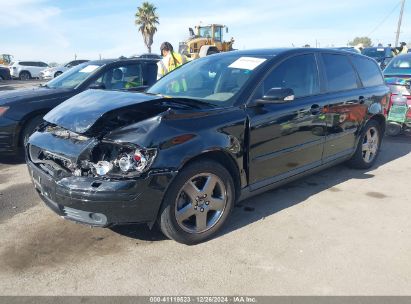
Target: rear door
[[346, 109], [288, 138], [40, 66]]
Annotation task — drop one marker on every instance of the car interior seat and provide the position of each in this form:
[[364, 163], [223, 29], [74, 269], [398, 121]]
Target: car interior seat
[[118, 82]]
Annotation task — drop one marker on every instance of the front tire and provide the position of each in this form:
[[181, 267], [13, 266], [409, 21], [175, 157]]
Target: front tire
[[368, 146], [57, 74], [29, 128], [197, 203]]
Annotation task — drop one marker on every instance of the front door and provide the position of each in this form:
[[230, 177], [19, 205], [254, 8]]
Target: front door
[[288, 138]]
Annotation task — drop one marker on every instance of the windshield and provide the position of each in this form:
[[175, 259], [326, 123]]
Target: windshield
[[205, 31], [399, 65], [214, 79], [73, 77]]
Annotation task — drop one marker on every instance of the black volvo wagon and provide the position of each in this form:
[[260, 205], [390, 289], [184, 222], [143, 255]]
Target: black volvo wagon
[[213, 132]]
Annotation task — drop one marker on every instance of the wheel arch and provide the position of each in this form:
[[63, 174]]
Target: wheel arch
[[26, 120], [224, 159], [25, 71], [380, 118], [206, 48]]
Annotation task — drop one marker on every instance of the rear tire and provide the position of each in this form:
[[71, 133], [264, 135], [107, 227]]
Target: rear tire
[[24, 75], [29, 128], [197, 203], [368, 146], [57, 74]]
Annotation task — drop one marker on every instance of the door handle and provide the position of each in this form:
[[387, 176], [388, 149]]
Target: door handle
[[315, 109]]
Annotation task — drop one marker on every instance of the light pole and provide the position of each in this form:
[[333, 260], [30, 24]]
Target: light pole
[[397, 37]]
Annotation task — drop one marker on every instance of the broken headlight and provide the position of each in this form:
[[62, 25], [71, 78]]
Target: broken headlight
[[124, 163]]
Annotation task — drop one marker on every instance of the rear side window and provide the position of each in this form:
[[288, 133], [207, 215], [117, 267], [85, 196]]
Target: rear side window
[[28, 63], [370, 73], [339, 73]]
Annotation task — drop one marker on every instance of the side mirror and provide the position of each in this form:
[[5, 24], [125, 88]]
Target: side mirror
[[277, 95], [97, 86]]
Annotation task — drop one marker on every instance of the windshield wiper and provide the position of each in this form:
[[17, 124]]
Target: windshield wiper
[[189, 101]]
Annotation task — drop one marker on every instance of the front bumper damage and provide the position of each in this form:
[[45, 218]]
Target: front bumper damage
[[95, 201]]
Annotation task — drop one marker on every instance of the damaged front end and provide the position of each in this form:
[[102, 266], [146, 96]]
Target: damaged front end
[[93, 180], [95, 158]]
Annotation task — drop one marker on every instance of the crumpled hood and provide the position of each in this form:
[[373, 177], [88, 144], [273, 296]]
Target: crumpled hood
[[32, 94], [94, 112]]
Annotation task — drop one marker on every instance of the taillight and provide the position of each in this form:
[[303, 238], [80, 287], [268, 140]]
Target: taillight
[[3, 110]]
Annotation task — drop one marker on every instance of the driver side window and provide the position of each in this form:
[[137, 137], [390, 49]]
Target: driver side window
[[298, 73], [121, 77]]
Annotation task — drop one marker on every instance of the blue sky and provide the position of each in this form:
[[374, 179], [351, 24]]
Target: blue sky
[[55, 30]]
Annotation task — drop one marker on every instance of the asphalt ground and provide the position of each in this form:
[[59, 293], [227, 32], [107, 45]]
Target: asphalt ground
[[19, 84], [338, 232]]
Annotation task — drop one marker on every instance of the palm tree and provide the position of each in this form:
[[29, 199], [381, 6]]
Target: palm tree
[[147, 20]]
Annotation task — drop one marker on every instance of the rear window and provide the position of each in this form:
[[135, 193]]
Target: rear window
[[375, 52], [339, 73], [370, 73], [400, 65]]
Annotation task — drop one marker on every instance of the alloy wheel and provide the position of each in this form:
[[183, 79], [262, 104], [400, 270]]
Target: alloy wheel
[[370, 145], [200, 203]]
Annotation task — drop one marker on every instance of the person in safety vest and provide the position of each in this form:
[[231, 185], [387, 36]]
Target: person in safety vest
[[403, 49], [171, 60]]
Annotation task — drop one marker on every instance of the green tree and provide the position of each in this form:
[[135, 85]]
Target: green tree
[[146, 20], [366, 41]]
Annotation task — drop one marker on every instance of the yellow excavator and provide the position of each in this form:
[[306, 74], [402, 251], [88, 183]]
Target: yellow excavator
[[206, 40], [6, 59]]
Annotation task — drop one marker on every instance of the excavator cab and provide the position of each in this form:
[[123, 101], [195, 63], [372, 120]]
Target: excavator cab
[[213, 32]]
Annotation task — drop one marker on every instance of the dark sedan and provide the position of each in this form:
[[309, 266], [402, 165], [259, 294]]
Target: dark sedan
[[383, 55], [217, 130], [4, 73], [21, 111]]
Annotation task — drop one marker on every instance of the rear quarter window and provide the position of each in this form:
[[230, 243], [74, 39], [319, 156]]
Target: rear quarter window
[[370, 73], [340, 75]]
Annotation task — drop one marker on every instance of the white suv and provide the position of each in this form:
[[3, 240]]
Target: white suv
[[53, 72], [26, 69]]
